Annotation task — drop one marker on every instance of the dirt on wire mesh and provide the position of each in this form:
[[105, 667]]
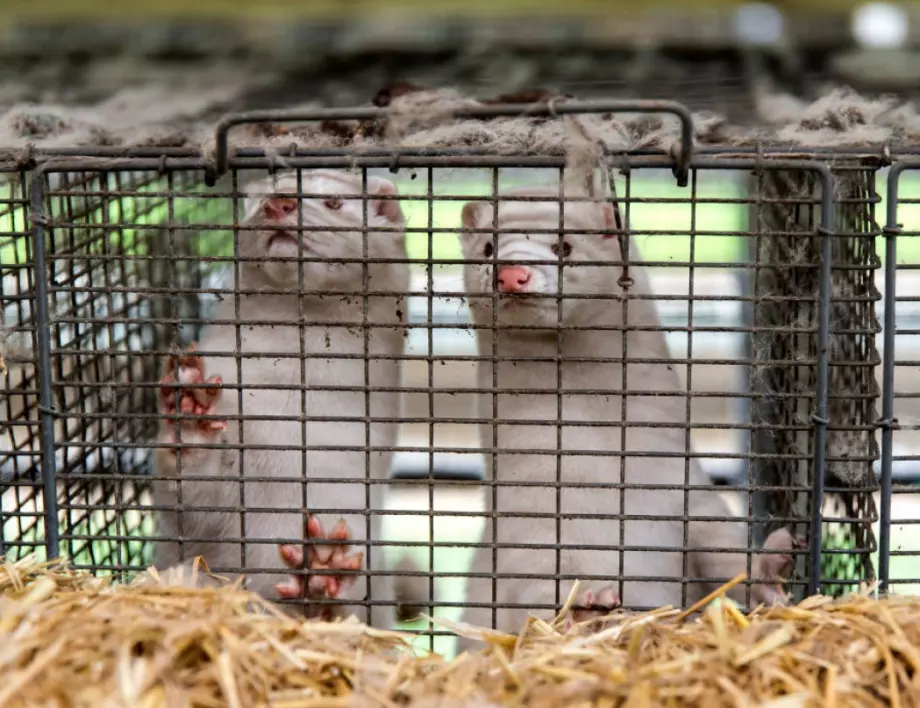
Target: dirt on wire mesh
[[69, 639]]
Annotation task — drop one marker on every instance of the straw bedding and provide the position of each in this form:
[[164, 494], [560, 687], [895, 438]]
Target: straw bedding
[[68, 639]]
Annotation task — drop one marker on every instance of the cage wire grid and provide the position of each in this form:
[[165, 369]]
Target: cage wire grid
[[123, 260]]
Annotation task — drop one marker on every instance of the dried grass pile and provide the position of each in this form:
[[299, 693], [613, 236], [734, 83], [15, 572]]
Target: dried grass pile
[[71, 640]]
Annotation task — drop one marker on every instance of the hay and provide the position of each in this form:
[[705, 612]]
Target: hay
[[68, 639]]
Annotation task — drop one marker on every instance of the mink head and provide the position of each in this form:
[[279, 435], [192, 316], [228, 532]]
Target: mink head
[[322, 230], [520, 265]]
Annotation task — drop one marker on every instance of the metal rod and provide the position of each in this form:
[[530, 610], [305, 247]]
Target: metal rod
[[728, 163], [43, 332], [891, 231], [10, 160], [825, 230], [681, 168], [757, 503]]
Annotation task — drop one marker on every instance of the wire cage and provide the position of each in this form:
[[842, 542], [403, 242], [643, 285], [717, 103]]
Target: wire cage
[[788, 296], [758, 281], [104, 281]]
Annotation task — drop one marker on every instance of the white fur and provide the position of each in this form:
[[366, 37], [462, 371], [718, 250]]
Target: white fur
[[540, 220], [281, 513]]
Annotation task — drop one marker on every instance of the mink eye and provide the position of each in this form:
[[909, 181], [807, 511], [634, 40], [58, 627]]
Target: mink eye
[[334, 204], [487, 249], [566, 249]]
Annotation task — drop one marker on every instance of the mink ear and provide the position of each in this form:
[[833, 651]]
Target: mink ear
[[472, 211], [256, 194], [389, 209], [251, 207]]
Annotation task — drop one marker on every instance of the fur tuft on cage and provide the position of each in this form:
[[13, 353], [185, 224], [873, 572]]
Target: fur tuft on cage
[[420, 117], [787, 291]]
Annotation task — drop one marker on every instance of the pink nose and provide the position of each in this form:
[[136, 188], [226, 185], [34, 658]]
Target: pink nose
[[278, 207], [512, 279]]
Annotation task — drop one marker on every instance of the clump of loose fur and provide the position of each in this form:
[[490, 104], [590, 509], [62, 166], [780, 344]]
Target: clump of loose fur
[[418, 117], [155, 115], [840, 117]]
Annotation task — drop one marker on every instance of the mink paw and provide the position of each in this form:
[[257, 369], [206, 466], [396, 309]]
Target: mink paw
[[322, 561], [592, 605], [769, 571], [201, 400]]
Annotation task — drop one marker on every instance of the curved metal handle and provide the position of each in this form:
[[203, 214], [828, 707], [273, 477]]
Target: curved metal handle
[[682, 162]]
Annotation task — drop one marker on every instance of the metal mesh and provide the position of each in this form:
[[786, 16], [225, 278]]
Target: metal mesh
[[898, 547], [110, 299], [788, 286], [20, 511], [139, 258]]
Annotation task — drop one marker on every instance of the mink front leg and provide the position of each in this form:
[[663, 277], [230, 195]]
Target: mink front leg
[[768, 570], [199, 400], [185, 393], [592, 604]]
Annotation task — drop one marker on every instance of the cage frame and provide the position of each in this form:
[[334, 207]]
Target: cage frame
[[43, 319], [890, 230], [42, 163]]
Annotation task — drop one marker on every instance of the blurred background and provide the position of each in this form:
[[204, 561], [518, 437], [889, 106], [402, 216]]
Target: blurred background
[[706, 53]]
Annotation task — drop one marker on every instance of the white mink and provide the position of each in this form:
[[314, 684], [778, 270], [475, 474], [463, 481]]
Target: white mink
[[273, 508], [515, 305]]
